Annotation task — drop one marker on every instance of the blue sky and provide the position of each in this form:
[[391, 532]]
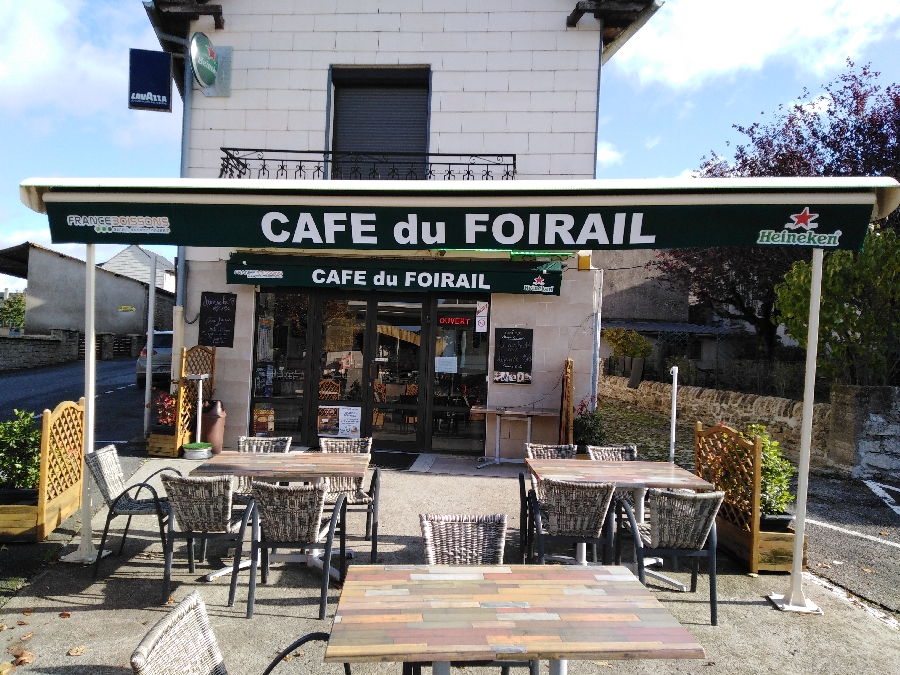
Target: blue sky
[[668, 98]]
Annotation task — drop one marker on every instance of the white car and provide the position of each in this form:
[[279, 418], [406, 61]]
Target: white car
[[161, 362]]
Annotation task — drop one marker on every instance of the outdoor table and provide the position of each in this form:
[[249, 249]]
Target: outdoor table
[[520, 414], [636, 476], [443, 613], [286, 467]]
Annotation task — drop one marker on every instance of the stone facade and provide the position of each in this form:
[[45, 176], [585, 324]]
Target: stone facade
[[31, 351], [866, 428], [781, 416]]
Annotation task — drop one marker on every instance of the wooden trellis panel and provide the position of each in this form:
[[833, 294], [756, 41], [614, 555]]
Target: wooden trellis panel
[[734, 465], [197, 361], [61, 477]]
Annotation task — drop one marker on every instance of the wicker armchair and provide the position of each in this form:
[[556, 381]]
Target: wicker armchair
[[626, 452], [538, 451], [352, 488], [681, 524], [291, 517], [183, 642], [463, 540], [107, 472], [202, 507], [241, 494], [571, 513]]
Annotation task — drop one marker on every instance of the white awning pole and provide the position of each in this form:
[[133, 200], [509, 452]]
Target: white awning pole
[[86, 553], [674, 373], [595, 357], [794, 600], [151, 330]]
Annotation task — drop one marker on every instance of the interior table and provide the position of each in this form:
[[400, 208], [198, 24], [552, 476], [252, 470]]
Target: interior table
[[520, 414], [442, 613], [285, 467]]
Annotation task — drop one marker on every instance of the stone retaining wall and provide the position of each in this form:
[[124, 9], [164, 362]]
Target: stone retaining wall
[[866, 429], [31, 351], [782, 416]]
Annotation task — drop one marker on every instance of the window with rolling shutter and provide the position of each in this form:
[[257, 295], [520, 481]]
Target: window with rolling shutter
[[380, 123]]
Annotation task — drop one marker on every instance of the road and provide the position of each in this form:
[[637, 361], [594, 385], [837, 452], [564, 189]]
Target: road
[[119, 402]]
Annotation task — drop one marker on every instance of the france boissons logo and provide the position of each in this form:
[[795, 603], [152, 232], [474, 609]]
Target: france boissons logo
[[789, 236]]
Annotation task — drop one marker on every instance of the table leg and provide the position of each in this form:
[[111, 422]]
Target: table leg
[[559, 666], [639, 495], [441, 668], [581, 554], [496, 459]]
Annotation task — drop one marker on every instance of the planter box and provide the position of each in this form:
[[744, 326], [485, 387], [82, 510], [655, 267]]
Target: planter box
[[31, 515], [166, 445], [772, 551]]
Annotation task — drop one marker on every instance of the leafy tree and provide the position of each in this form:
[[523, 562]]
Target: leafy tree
[[20, 459], [859, 319], [12, 311], [852, 129]]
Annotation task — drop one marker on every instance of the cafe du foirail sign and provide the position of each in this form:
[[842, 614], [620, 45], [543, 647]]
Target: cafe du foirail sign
[[204, 63]]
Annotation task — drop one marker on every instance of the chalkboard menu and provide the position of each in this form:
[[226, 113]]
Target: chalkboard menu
[[217, 312], [513, 355]]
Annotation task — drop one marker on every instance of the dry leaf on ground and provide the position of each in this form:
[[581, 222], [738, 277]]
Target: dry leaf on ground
[[868, 570], [24, 658], [77, 651], [28, 611], [288, 657], [22, 623], [3, 627], [27, 636], [64, 615]]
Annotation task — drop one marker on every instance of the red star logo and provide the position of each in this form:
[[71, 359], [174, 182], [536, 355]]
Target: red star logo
[[209, 49], [539, 281], [803, 219]]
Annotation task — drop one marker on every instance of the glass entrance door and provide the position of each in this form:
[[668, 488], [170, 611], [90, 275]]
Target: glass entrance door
[[395, 368]]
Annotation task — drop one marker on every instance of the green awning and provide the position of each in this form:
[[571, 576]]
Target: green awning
[[451, 276], [519, 216]]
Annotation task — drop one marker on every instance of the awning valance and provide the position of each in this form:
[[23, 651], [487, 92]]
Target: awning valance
[[449, 276], [522, 216]]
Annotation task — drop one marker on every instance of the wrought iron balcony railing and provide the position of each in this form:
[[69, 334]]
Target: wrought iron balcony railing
[[319, 165]]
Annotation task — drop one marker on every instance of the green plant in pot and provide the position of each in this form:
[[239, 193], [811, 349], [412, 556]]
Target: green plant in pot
[[20, 454], [775, 487], [587, 427]]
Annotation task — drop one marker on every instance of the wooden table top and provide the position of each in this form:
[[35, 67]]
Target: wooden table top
[[291, 466], [623, 474], [496, 613], [515, 412]]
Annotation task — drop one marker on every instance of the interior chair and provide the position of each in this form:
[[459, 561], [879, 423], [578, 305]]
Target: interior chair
[[203, 509], [241, 494], [107, 472], [682, 524], [358, 499], [411, 390], [380, 397], [290, 516], [183, 642], [466, 540], [329, 390], [571, 513]]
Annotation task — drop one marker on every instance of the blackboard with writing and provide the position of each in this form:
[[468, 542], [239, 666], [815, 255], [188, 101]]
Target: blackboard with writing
[[513, 349], [217, 312]]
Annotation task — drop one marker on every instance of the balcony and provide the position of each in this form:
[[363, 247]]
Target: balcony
[[322, 165]]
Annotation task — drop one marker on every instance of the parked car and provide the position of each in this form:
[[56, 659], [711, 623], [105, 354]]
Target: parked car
[[161, 362]]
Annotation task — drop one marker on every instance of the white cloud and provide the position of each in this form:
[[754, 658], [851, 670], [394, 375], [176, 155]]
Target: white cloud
[[691, 41], [61, 59], [607, 154], [651, 143]]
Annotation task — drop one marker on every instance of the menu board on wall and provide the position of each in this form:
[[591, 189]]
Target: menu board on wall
[[217, 312], [513, 348]]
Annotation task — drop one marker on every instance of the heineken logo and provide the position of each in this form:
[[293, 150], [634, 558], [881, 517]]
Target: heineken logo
[[538, 286], [802, 221], [204, 63]]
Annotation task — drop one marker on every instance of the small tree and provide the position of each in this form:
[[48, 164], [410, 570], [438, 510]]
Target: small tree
[[12, 311], [859, 321]]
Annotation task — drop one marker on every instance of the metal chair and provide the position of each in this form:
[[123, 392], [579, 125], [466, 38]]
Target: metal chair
[[241, 494], [183, 642], [681, 524], [571, 513], [202, 507], [291, 517], [463, 540], [107, 472], [352, 488]]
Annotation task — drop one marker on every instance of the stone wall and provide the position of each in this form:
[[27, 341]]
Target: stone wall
[[31, 351], [781, 416], [866, 429]]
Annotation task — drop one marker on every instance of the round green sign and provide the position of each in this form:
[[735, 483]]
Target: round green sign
[[204, 63]]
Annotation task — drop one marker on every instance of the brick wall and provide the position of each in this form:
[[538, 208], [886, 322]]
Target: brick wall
[[30, 351], [781, 416]]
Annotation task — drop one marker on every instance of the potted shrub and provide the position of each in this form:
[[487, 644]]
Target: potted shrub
[[775, 493], [20, 459], [162, 442], [587, 427]]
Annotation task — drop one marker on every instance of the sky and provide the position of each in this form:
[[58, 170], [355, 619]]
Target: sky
[[668, 98]]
